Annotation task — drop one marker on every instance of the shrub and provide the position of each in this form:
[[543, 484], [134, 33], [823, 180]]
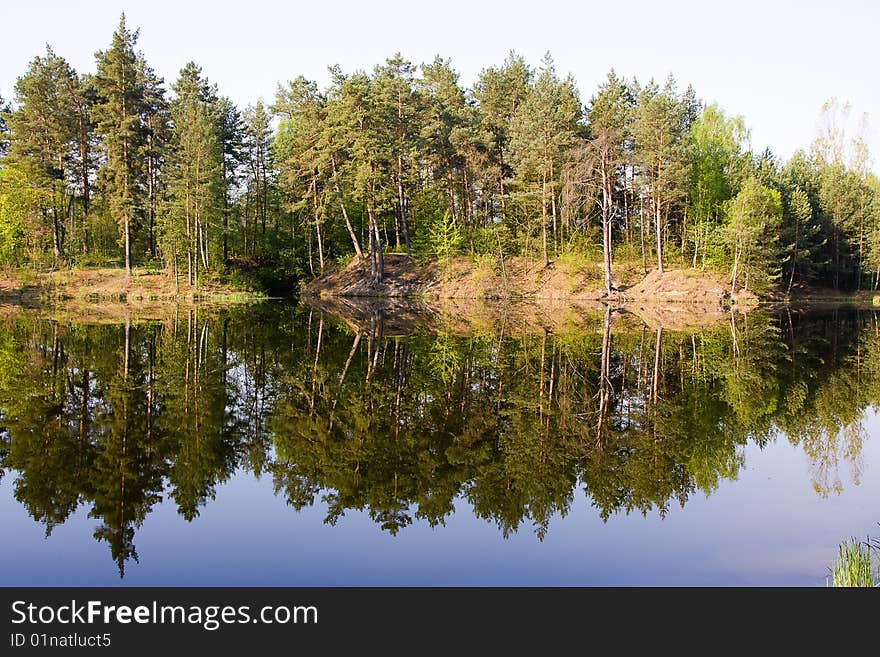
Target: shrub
[[445, 237]]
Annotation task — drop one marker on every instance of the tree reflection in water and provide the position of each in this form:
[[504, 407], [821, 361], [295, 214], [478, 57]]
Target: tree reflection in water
[[515, 419]]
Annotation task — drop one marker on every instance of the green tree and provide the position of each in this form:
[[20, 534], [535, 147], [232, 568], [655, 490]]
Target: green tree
[[259, 179], [45, 131], [839, 195], [800, 233], [610, 119], [231, 129], [156, 122], [356, 120], [716, 161], [195, 178], [4, 129], [545, 127], [660, 130], [499, 92], [399, 105], [873, 239], [20, 216], [121, 103], [754, 217], [302, 157], [840, 160]]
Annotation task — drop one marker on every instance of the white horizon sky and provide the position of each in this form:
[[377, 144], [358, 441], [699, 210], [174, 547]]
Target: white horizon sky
[[773, 62]]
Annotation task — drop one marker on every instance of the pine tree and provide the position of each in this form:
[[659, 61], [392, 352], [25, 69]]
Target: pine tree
[[800, 234], [500, 92], [545, 127], [84, 156], [302, 159], [610, 118], [660, 129], [119, 111], [156, 122], [195, 175], [4, 130], [259, 159], [231, 131], [456, 145], [399, 106], [356, 122], [335, 145], [45, 131]]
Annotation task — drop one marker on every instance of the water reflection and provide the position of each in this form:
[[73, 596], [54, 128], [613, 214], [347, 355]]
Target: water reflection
[[517, 419]]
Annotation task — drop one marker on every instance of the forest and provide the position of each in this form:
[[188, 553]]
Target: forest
[[117, 168]]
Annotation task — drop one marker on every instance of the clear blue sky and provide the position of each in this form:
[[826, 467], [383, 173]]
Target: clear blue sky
[[773, 62]]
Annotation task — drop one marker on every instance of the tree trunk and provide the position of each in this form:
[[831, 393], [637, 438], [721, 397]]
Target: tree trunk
[[225, 212], [659, 226], [351, 233], [377, 246], [606, 228], [656, 382], [56, 236], [450, 190], [794, 259], [401, 201], [642, 234], [605, 372], [86, 187], [736, 259], [553, 213], [379, 273], [544, 218], [151, 239], [127, 229], [501, 181], [317, 223]]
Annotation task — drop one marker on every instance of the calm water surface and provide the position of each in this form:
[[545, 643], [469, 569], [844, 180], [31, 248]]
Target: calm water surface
[[280, 445]]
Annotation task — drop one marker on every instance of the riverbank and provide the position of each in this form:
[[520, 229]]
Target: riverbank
[[113, 287], [525, 279], [397, 316]]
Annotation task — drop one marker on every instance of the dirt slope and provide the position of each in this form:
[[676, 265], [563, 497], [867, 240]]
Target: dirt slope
[[519, 278]]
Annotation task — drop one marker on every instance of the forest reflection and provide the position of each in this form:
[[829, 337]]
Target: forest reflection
[[515, 422]]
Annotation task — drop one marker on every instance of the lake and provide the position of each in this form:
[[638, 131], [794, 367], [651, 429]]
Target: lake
[[287, 445]]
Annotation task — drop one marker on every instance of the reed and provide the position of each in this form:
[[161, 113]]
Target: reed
[[853, 567]]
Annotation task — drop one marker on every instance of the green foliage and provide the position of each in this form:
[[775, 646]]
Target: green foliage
[[120, 119], [575, 262], [445, 238], [716, 155], [443, 358], [754, 217], [195, 181], [488, 240], [854, 565], [19, 215], [50, 146], [4, 129], [661, 132]]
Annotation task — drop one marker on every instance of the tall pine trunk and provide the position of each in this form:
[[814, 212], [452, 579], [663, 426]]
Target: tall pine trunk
[[544, 218], [348, 226]]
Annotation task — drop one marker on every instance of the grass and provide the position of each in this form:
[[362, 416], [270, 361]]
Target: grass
[[854, 566]]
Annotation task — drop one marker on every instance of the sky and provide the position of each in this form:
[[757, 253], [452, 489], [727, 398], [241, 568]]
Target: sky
[[773, 62]]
